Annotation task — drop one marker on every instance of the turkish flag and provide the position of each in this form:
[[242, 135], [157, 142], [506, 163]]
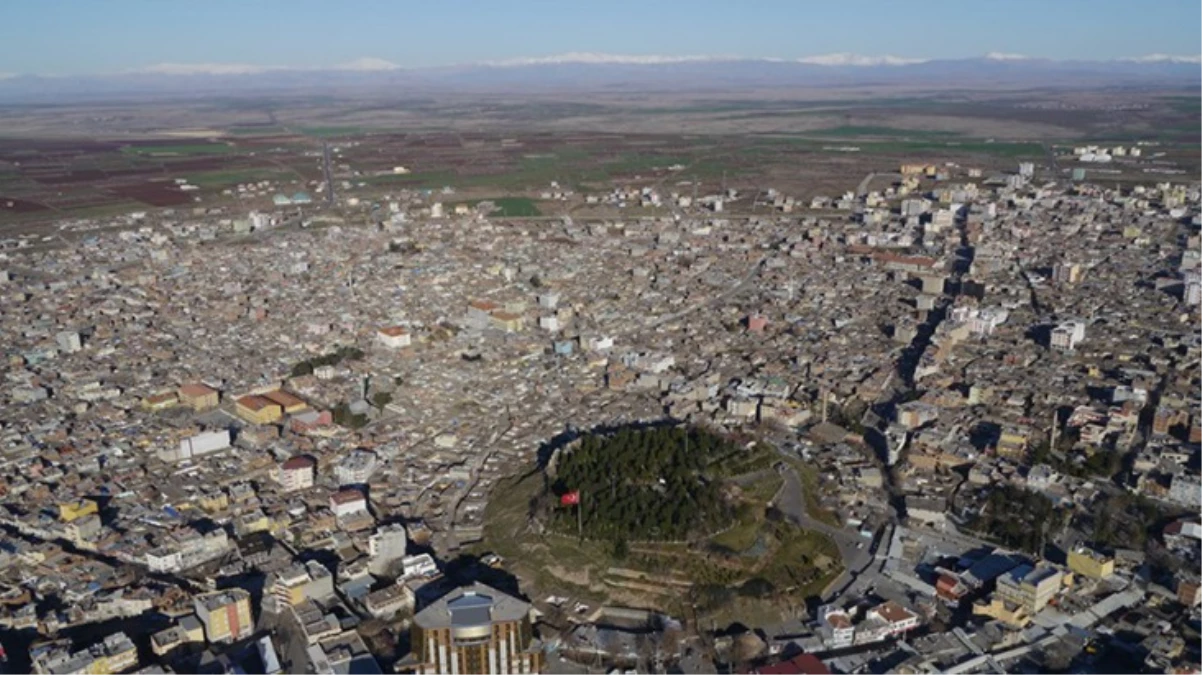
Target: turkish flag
[[570, 498]]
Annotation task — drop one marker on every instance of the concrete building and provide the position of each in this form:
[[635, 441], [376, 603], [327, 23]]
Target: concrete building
[[393, 337], [386, 547], [356, 468], [297, 473], [258, 410], [116, 653], [348, 503], [477, 629], [226, 615], [300, 583], [1066, 273], [1090, 563], [198, 397], [1186, 490], [289, 403], [203, 444], [68, 341], [1068, 335], [1193, 288], [1030, 587], [1189, 591]]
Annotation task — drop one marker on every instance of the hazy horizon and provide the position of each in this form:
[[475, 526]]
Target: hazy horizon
[[76, 38]]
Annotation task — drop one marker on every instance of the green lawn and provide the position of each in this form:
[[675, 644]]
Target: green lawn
[[740, 537]]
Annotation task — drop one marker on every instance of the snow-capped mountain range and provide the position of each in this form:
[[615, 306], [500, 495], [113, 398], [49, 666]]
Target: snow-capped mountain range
[[582, 71]]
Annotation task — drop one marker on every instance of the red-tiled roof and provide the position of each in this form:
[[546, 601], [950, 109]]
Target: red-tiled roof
[[802, 664], [299, 462]]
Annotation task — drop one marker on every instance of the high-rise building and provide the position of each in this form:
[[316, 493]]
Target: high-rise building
[[1068, 335], [1193, 288], [226, 615], [386, 546], [1066, 273], [476, 629]]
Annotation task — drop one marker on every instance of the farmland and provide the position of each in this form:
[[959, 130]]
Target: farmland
[[805, 143]]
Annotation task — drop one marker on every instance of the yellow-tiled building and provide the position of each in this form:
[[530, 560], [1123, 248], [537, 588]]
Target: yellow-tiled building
[[509, 322], [1090, 563], [198, 396], [258, 409], [226, 615], [290, 403], [1009, 613], [160, 401], [214, 501], [69, 511]]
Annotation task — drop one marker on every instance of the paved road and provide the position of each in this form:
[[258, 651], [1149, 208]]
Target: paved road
[[853, 548]]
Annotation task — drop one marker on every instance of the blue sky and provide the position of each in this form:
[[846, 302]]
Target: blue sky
[[61, 37]]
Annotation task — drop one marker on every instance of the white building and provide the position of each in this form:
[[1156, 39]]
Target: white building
[[600, 344], [187, 549], [68, 341], [198, 445], [1068, 335], [348, 503], [548, 323], [984, 321], [419, 566], [393, 337], [297, 473], [385, 547], [356, 468], [1186, 490], [1193, 288]]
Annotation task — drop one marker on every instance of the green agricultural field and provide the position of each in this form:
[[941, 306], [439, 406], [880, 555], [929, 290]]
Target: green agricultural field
[[236, 176], [866, 131], [1003, 149], [181, 149], [257, 131], [515, 207], [330, 132]]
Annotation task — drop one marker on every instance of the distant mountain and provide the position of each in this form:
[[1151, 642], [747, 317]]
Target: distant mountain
[[602, 72]]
